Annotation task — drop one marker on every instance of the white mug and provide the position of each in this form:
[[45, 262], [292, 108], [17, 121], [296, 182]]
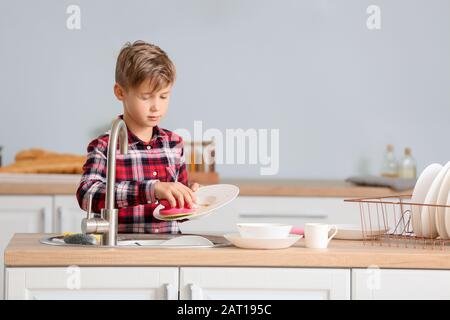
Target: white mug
[[316, 235]]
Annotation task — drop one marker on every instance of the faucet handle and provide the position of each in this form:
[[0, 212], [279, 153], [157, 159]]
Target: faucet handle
[[89, 208], [92, 224]]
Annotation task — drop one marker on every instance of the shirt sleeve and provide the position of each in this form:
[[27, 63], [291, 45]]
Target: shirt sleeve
[[93, 182], [182, 173]]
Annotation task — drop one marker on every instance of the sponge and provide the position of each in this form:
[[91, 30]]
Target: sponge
[[80, 238], [168, 211], [97, 236]]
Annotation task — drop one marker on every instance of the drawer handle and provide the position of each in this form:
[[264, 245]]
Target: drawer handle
[[47, 220], [196, 292], [168, 291], [60, 213], [282, 215]]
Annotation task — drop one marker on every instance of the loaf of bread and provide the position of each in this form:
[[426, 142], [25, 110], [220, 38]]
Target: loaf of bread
[[43, 161], [35, 154]]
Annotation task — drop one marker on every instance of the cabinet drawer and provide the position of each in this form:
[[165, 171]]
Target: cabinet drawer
[[292, 208], [67, 214], [91, 283], [264, 283], [390, 284]]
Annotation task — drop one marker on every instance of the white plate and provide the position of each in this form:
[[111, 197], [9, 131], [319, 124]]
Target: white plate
[[354, 232], [440, 211], [257, 243], [420, 192], [447, 215], [428, 214], [209, 199]]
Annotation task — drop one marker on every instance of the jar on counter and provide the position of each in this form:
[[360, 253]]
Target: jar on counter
[[390, 166], [408, 166]]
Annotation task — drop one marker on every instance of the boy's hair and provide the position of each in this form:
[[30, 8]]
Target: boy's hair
[[142, 61]]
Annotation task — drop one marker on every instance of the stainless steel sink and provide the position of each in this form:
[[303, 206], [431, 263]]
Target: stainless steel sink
[[151, 241]]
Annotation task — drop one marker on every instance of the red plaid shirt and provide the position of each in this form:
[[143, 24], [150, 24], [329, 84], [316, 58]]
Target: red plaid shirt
[[161, 159]]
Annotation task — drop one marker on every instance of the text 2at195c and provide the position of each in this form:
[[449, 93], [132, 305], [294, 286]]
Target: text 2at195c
[[246, 309]]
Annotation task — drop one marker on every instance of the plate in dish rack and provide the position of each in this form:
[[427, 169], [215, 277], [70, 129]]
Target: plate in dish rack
[[428, 213], [209, 199], [423, 184], [441, 211]]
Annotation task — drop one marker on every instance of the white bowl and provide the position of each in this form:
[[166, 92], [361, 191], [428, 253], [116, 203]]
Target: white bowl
[[264, 230], [249, 243]]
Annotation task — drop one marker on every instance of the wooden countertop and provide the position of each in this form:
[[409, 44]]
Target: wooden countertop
[[308, 188], [38, 184], [49, 184], [24, 250]]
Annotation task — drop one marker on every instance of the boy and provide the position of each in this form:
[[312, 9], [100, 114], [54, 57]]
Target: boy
[[154, 167]]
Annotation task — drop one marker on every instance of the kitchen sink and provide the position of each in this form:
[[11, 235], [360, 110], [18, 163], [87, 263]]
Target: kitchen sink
[[151, 241]]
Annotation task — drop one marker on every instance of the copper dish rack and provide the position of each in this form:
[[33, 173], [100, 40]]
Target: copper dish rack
[[394, 214]]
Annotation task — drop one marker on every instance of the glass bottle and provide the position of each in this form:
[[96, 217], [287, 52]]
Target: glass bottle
[[390, 167], [408, 168]]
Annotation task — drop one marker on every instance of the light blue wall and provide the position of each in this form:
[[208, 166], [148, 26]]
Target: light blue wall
[[337, 91]]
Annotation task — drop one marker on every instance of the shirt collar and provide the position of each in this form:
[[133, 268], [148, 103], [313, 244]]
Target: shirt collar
[[133, 139]]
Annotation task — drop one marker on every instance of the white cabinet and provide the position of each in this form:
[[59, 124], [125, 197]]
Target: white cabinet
[[67, 214], [36, 214], [292, 210], [19, 214], [263, 283], [224, 283], [387, 284], [92, 283]]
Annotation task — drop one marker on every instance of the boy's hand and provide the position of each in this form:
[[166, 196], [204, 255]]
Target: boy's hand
[[175, 192], [194, 186]]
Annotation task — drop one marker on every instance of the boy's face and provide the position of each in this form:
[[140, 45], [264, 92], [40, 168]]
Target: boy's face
[[144, 108]]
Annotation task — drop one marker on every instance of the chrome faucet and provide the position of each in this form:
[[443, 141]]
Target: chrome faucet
[[108, 223]]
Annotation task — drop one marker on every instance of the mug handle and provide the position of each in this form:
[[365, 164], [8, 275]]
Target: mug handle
[[334, 233]]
